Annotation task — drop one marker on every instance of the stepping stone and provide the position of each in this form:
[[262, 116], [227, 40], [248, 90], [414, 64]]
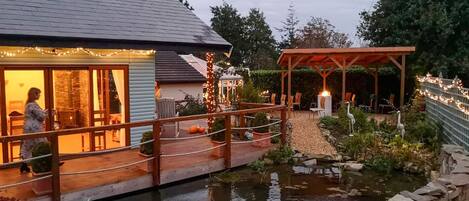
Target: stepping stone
[[399, 197], [458, 179], [416, 197], [459, 169], [310, 162], [427, 190]]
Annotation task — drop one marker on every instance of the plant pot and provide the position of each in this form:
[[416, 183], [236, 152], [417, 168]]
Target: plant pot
[[149, 166], [261, 143], [43, 186], [218, 152]]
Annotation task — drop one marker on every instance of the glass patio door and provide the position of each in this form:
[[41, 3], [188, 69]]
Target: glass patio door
[[17, 84]]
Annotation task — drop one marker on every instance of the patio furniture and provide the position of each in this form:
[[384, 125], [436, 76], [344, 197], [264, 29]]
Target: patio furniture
[[166, 108], [318, 109], [297, 101], [389, 103], [272, 98], [370, 107], [16, 128], [282, 99]]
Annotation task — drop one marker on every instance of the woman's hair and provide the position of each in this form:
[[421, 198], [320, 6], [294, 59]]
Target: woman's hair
[[32, 94]]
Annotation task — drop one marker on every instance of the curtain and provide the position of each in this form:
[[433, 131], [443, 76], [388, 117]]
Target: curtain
[[118, 76]]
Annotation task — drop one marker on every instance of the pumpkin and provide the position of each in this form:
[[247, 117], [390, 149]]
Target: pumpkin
[[193, 129], [201, 130]]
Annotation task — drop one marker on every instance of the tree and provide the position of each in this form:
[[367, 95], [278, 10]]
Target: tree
[[186, 4], [260, 50], [227, 22], [289, 29], [438, 29], [320, 33]]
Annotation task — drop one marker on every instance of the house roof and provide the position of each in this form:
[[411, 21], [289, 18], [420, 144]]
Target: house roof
[[201, 66], [157, 24], [171, 68]]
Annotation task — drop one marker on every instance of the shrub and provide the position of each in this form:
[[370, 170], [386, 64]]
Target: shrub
[[381, 163], [193, 106], [218, 124], [329, 122], [249, 93], [43, 164], [361, 119], [357, 146], [426, 132], [258, 166], [147, 148], [281, 155], [260, 119]]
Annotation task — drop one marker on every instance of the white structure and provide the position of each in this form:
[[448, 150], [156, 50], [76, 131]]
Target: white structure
[[400, 126], [325, 103], [351, 118]]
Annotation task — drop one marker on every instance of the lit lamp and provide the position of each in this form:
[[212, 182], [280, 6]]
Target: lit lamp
[[325, 102]]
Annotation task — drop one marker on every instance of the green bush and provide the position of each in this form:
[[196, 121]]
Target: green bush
[[358, 145], [260, 119], [283, 154], [258, 166], [218, 124], [329, 122], [361, 119], [147, 148], [193, 106], [249, 93], [381, 163], [426, 132], [43, 164]]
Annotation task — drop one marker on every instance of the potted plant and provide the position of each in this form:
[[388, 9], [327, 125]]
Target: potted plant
[[219, 138], [42, 167], [261, 119], [146, 150]]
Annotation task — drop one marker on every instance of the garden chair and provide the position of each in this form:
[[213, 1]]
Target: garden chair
[[318, 108], [282, 99], [16, 128], [272, 98], [297, 100], [389, 103], [166, 108], [370, 107]]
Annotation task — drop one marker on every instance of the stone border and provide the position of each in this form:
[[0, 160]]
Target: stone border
[[452, 185]]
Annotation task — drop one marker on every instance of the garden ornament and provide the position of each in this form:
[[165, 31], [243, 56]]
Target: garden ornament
[[351, 118], [400, 126]]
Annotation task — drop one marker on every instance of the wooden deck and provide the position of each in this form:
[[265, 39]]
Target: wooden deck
[[109, 183]]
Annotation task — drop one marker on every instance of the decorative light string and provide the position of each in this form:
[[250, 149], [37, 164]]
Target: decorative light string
[[210, 96], [455, 84], [72, 51]]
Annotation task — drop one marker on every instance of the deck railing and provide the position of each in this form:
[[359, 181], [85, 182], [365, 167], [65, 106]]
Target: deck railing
[[53, 136], [447, 102]]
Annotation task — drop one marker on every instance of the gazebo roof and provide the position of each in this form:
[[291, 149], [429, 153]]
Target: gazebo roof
[[357, 56]]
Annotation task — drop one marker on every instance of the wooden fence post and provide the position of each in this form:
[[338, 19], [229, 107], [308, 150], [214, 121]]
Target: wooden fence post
[[55, 167], [242, 124], [156, 153], [227, 141], [283, 125]]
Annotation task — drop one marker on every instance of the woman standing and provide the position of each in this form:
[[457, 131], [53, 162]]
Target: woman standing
[[34, 117]]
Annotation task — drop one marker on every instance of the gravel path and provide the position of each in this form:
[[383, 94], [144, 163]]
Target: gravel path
[[306, 136]]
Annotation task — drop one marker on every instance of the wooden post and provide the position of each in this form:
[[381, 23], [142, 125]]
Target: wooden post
[[55, 167], [289, 86], [3, 114], [91, 107], [283, 125], [344, 81], [242, 123], [376, 76], [282, 81], [227, 141], [156, 153], [401, 103]]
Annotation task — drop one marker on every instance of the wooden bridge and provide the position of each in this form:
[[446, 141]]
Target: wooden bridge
[[104, 173]]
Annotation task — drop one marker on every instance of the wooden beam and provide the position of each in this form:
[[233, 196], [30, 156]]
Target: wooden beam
[[401, 102], [337, 63], [283, 126], [395, 61], [3, 115], [91, 107], [156, 173], [289, 86], [297, 62], [55, 170], [282, 82], [344, 81], [227, 153]]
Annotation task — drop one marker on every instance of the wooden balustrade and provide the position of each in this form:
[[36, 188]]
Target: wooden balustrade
[[156, 124]]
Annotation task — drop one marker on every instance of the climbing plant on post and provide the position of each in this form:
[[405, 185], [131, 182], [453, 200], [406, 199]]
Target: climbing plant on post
[[210, 99]]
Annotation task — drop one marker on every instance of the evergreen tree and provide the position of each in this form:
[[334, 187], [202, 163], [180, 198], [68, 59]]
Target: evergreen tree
[[289, 29], [320, 33], [438, 29], [227, 22], [260, 50]]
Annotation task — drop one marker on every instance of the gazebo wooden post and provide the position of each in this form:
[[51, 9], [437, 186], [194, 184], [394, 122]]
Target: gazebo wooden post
[[289, 86], [282, 79], [401, 66], [376, 76], [344, 81]]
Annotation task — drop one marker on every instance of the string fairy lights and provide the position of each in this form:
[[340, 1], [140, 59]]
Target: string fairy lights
[[455, 84], [72, 51], [210, 93]]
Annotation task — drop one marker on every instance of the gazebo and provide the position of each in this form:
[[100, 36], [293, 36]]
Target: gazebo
[[327, 60]]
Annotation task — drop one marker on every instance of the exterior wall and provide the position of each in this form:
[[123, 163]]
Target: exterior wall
[[141, 77], [179, 91]]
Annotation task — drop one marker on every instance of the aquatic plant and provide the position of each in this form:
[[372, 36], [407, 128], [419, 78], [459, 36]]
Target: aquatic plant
[[283, 154], [147, 148]]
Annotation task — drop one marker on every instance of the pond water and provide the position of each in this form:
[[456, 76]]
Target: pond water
[[286, 182]]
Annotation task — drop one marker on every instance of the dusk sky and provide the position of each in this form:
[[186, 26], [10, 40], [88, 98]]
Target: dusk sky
[[343, 14]]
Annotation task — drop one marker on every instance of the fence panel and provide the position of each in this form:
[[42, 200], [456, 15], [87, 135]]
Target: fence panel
[[447, 102]]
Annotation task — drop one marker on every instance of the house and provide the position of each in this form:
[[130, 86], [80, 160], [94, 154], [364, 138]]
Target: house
[[94, 62], [176, 78]]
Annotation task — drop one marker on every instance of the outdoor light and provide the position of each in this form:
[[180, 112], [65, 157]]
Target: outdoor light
[[325, 102]]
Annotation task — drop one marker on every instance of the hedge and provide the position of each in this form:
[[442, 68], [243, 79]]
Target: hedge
[[309, 83]]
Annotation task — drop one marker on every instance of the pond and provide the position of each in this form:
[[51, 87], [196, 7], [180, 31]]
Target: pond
[[286, 182]]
